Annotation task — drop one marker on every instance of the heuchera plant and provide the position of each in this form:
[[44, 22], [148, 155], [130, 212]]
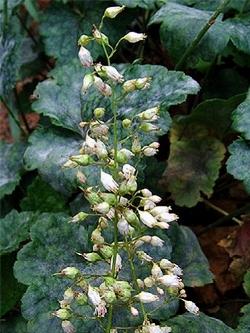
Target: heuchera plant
[[118, 204]]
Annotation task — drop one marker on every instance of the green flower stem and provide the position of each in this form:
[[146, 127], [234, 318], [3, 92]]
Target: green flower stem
[[134, 277], [201, 34]]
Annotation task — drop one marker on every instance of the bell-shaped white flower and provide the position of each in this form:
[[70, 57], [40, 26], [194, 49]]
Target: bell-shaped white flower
[[103, 87], [95, 299], [87, 82], [159, 210], [147, 218], [112, 12], [169, 280], [123, 227], [102, 207], [118, 263], [156, 271], [146, 297], [134, 37], [113, 74], [101, 150], [108, 182], [191, 307], [146, 193], [148, 115], [85, 57], [134, 311], [156, 241], [128, 171]]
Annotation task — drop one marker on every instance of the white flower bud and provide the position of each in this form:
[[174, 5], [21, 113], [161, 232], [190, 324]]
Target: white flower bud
[[96, 237], [100, 37], [101, 150], [84, 40], [118, 263], [70, 272], [91, 257], [169, 280], [104, 88], [146, 297], [79, 217], [108, 182], [113, 74], [156, 271], [102, 208], [134, 311], [143, 83], [149, 113], [191, 307], [160, 291], [162, 225], [147, 219], [68, 327], [159, 210], [157, 241], [155, 198], [167, 217], [144, 256], [140, 283], [129, 86], [87, 82], [90, 143], [112, 12], [62, 314], [149, 282], [148, 204], [166, 264], [136, 146], [148, 151], [85, 57], [146, 193], [95, 299], [123, 227], [134, 37]]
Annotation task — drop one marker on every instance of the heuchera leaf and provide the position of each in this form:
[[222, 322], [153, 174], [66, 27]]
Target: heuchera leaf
[[246, 284], [11, 291], [241, 118], [239, 28], [189, 323], [58, 20], [42, 198], [239, 161], [11, 156], [14, 229], [145, 4], [193, 164], [49, 149], [179, 27], [189, 256], [244, 322]]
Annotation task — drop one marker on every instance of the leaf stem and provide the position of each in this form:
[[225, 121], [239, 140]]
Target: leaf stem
[[201, 34]]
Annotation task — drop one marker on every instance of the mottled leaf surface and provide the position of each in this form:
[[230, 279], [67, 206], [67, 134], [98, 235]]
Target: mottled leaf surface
[[193, 164], [14, 229], [189, 256], [179, 27], [239, 28], [11, 166], [145, 4], [189, 323], [241, 118], [43, 198], [239, 161], [244, 322], [246, 283]]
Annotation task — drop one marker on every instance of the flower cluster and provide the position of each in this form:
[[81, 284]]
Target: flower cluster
[[119, 206]]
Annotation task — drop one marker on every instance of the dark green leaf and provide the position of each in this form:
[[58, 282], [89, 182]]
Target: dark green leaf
[[239, 161], [179, 27], [58, 20], [244, 324], [194, 162], [11, 291], [145, 4], [189, 256], [246, 284], [241, 118], [11, 156], [43, 198], [189, 323], [213, 4], [239, 32], [49, 149], [14, 229]]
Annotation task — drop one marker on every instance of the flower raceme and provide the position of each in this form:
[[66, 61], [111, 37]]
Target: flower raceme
[[125, 215]]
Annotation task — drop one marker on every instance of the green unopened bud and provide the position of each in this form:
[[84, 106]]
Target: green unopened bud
[[129, 85], [112, 12], [121, 157], [103, 222], [109, 296], [82, 159], [122, 290], [143, 83], [99, 112], [126, 123], [109, 281], [70, 272], [131, 217], [100, 37], [96, 237], [81, 299], [84, 40], [136, 146], [62, 314], [147, 127], [92, 257], [106, 251], [79, 217], [91, 196], [110, 198], [102, 207], [82, 283], [123, 189], [132, 186]]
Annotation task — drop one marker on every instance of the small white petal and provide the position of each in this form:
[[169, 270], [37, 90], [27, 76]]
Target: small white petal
[[146, 297], [108, 182]]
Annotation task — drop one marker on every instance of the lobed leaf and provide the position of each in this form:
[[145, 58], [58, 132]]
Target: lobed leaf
[[11, 166], [14, 229], [239, 161], [241, 118], [244, 322]]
